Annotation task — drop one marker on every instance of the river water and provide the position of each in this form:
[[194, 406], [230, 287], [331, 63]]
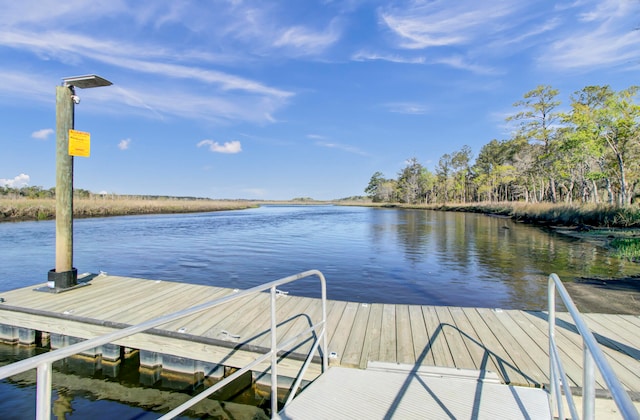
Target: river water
[[366, 254]]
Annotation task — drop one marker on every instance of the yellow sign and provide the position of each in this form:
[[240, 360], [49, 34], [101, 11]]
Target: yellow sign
[[79, 143]]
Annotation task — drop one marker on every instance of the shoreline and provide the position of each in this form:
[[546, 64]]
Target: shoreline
[[45, 209], [611, 296]]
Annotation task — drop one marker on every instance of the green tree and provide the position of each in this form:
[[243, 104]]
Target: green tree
[[538, 124], [410, 182], [444, 171], [585, 142], [460, 162], [621, 118], [373, 189]]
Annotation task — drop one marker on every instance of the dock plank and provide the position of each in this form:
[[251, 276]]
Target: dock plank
[[633, 319], [441, 353], [285, 314], [334, 314], [570, 353], [169, 300], [194, 323], [510, 338], [620, 333], [481, 357], [421, 342], [536, 349], [341, 336], [459, 351], [299, 324], [507, 367], [355, 345], [259, 327], [371, 347], [388, 334], [404, 339], [620, 362], [95, 295]]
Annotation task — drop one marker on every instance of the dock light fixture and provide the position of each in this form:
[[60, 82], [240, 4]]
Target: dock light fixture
[[64, 276]]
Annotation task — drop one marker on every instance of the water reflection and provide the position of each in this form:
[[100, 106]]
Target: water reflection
[[367, 254], [482, 259]]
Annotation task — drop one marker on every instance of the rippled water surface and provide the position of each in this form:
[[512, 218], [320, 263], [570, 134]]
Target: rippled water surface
[[366, 254]]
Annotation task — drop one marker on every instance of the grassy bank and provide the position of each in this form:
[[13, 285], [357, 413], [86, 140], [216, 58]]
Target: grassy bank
[[615, 228], [45, 209], [588, 216]]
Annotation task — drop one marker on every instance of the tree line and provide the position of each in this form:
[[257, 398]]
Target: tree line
[[588, 154], [37, 192]]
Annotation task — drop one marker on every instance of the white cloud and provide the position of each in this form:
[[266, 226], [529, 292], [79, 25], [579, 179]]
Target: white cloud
[[42, 134], [605, 35], [119, 54], [124, 144], [201, 91], [394, 58], [343, 147], [228, 147], [442, 23], [19, 181], [306, 41], [458, 62], [411, 108]]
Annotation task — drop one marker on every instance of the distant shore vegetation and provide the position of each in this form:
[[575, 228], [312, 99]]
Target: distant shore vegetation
[[38, 203], [35, 203]]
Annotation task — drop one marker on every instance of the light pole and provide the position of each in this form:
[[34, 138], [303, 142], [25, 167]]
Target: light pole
[[64, 276]]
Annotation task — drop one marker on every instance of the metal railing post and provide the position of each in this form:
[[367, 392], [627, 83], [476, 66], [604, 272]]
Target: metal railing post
[[274, 356], [43, 391], [551, 305], [589, 385], [325, 346], [593, 357]]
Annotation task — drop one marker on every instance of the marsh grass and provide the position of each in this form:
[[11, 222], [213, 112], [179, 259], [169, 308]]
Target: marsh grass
[[45, 209], [627, 248], [552, 214]]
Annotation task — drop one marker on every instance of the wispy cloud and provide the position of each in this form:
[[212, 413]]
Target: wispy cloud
[[20, 84], [460, 63], [307, 41], [124, 144], [421, 25], [343, 147], [579, 35], [42, 134], [606, 34], [230, 147], [411, 108], [59, 44], [394, 58], [203, 90]]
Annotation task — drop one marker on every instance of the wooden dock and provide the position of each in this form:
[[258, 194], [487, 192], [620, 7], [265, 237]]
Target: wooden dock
[[511, 343]]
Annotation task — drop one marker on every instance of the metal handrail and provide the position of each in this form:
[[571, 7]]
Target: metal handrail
[[43, 362], [592, 357]]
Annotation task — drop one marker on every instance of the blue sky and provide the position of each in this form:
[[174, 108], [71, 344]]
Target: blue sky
[[276, 100]]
